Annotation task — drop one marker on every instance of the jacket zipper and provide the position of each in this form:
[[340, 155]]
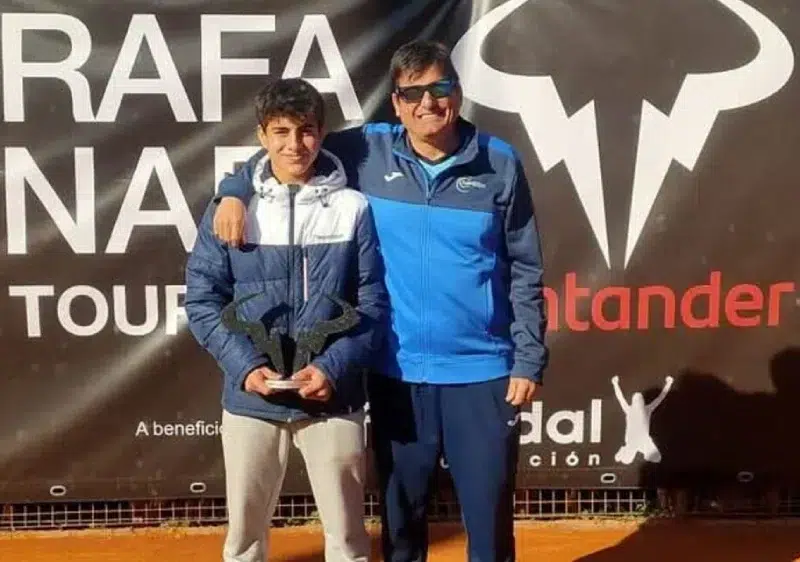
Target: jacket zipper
[[290, 286], [425, 264], [290, 292], [305, 275]]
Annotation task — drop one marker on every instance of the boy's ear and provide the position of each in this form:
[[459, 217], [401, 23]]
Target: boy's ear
[[262, 136]]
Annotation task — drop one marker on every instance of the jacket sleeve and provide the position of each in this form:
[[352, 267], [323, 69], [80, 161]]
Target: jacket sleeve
[[527, 291], [240, 183], [209, 288], [350, 146], [353, 352]]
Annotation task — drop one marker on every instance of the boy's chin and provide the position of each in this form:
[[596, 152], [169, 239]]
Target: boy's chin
[[294, 170], [301, 171]]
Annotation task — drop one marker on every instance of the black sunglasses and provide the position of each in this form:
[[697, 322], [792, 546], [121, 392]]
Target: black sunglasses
[[440, 89]]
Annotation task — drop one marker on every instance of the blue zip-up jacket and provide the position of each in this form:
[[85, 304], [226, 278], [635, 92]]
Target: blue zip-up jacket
[[299, 246], [462, 255]]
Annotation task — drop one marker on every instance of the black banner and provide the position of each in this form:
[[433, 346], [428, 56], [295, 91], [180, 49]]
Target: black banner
[[660, 140]]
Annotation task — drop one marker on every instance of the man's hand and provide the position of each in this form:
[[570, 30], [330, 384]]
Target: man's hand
[[316, 385], [520, 391], [256, 381], [229, 221]]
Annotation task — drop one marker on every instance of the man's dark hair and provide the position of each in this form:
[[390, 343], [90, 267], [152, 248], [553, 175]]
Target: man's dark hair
[[289, 97], [417, 56]]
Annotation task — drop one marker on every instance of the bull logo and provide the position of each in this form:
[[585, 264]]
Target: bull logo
[[679, 136]]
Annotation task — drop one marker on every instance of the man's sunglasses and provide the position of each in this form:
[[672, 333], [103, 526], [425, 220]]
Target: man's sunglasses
[[440, 89]]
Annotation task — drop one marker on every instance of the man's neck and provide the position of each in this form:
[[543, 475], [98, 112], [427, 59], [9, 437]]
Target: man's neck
[[434, 149]]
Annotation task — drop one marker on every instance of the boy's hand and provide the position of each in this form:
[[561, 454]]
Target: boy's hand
[[229, 221], [256, 381], [316, 385]]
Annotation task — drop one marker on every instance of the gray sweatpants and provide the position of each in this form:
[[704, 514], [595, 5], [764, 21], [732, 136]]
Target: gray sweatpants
[[255, 454]]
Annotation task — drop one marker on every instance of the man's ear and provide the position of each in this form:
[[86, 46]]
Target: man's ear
[[396, 104]]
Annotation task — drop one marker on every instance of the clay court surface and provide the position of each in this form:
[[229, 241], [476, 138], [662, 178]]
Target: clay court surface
[[571, 541]]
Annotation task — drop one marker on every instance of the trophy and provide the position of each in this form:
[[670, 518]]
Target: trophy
[[303, 349]]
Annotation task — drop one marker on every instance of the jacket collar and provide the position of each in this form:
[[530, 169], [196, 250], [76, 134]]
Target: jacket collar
[[329, 176]]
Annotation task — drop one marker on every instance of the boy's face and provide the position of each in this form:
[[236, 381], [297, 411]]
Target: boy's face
[[293, 146]]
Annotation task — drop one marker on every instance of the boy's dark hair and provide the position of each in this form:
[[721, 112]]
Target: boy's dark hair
[[417, 56], [289, 97]]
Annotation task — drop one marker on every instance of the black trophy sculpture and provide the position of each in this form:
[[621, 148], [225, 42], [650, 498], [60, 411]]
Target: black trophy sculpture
[[307, 345]]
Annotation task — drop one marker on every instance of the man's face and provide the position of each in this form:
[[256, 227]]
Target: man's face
[[292, 145], [430, 116]]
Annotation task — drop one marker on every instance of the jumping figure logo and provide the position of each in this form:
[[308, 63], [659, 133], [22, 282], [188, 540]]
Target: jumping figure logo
[[637, 424], [576, 437]]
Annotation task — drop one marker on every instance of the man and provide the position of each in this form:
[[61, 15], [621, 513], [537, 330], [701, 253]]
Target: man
[[309, 241], [463, 264]]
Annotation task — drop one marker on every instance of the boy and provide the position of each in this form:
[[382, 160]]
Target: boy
[[309, 242]]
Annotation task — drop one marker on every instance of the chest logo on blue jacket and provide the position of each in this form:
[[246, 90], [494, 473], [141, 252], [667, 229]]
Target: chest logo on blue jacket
[[467, 185], [392, 176]]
